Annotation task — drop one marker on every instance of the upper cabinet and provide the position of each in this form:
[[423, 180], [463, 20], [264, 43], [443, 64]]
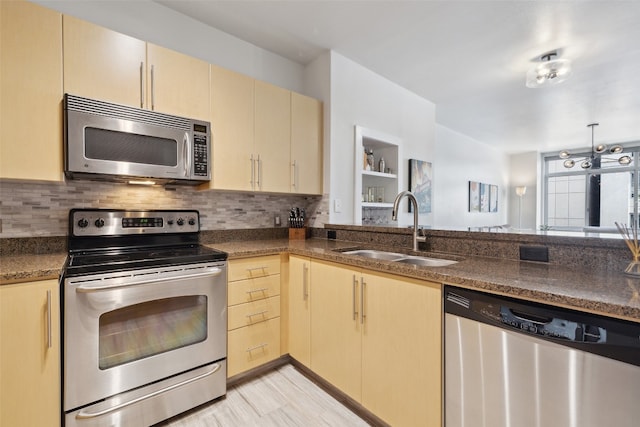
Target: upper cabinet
[[272, 133], [306, 144], [30, 92], [265, 138], [103, 64]]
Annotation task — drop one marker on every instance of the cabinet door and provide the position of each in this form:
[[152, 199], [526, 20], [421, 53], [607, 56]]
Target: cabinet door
[[30, 92], [401, 350], [232, 103], [299, 309], [335, 326], [272, 137], [306, 144], [177, 84], [30, 354], [103, 64]]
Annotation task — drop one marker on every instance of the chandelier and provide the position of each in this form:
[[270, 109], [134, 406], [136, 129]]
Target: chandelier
[[549, 72], [597, 152]]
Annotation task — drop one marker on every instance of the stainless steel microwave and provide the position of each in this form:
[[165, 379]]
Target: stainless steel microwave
[[108, 141]]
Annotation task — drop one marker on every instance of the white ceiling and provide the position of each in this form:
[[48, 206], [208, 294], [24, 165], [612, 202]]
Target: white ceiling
[[469, 58]]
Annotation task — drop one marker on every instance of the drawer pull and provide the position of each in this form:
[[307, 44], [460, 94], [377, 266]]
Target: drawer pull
[[260, 313], [257, 347], [250, 291], [263, 268]]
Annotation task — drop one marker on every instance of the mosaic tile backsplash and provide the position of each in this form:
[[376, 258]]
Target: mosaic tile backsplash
[[30, 209]]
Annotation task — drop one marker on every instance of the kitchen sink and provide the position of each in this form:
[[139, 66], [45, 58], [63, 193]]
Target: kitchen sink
[[401, 258], [369, 253]]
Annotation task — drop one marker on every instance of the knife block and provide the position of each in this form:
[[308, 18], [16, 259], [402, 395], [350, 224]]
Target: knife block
[[298, 233]]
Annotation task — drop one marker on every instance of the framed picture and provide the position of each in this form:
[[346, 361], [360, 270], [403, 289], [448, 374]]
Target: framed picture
[[474, 196], [493, 198], [484, 197], [420, 179]]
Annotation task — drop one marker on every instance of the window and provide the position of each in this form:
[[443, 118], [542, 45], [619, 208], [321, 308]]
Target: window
[[576, 198]]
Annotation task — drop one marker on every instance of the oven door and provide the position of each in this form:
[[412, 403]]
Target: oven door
[[127, 329]]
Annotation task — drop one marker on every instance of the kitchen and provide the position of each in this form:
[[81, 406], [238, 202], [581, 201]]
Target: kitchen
[[36, 209]]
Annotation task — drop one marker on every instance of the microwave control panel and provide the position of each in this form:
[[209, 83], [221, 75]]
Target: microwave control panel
[[200, 150]]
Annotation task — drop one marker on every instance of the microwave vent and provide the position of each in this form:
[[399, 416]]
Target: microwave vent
[[102, 108]]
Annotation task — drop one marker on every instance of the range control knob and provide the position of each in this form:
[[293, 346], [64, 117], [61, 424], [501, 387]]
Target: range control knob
[[180, 221], [192, 221], [170, 222], [82, 223], [99, 222]]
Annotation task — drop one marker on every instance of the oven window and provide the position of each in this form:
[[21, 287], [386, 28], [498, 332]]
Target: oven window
[[142, 330]]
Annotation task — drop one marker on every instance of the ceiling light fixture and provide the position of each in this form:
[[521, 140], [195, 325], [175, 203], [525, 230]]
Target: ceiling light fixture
[[596, 157], [549, 72]]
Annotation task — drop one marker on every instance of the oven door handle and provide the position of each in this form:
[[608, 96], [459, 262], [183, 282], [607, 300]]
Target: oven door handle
[[82, 415], [86, 289]]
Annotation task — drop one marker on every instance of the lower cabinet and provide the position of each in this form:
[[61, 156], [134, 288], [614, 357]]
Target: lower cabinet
[[300, 309], [30, 354], [253, 323], [377, 337]]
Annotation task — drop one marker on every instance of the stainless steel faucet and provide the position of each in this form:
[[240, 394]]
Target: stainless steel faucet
[[394, 216]]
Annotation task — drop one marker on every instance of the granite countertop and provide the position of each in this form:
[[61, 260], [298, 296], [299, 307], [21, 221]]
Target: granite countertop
[[604, 292], [609, 293]]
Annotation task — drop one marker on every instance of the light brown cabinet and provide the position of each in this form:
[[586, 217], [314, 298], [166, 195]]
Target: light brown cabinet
[[30, 354], [306, 144], [260, 131], [106, 65], [377, 338], [300, 309], [253, 298], [30, 92]]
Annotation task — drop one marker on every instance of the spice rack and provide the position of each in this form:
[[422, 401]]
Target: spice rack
[[375, 189]]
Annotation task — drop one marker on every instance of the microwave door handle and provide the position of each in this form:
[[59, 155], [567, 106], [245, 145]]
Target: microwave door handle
[[187, 157]]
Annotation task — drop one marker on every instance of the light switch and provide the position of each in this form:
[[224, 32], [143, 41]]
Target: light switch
[[337, 205]]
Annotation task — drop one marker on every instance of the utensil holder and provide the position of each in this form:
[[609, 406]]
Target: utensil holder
[[298, 233]]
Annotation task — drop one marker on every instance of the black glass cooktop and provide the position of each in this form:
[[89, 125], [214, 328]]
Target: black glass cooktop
[[100, 261]]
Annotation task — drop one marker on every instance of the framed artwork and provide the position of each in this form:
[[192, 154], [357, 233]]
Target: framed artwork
[[483, 197], [420, 180], [493, 198], [474, 196]]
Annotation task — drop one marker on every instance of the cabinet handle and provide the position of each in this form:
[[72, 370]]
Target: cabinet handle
[[362, 285], [250, 291], [253, 179], [259, 313], [305, 284], [259, 176], [153, 91], [257, 347], [293, 174], [49, 325], [353, 297], [142, 85]]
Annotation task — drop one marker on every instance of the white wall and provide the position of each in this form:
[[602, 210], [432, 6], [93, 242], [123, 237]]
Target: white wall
[[458, 160], [361, 97], [523, 171], [153, 22]]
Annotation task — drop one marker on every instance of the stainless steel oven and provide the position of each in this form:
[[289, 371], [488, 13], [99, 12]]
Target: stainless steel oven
[[144, 318]]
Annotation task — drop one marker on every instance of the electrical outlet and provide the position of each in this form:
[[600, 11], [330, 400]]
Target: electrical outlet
[[276, 220], [337, 205]]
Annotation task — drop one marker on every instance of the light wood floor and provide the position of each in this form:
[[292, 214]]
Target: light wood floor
[[283, 397]]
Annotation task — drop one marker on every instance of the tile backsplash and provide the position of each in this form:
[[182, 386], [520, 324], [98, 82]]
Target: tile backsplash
[[34, 208]]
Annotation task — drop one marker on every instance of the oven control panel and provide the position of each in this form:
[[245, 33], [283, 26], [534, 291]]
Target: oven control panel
[[104, 222]]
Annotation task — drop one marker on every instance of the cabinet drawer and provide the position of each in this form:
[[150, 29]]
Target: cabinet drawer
[[253, 312], [253, 289], [250, 268], [253, 346]]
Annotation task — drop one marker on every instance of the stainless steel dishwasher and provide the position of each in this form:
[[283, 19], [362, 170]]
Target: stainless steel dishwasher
[[514, 363]]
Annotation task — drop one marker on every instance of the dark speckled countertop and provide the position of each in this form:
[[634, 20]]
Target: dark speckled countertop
[[605, 292]]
